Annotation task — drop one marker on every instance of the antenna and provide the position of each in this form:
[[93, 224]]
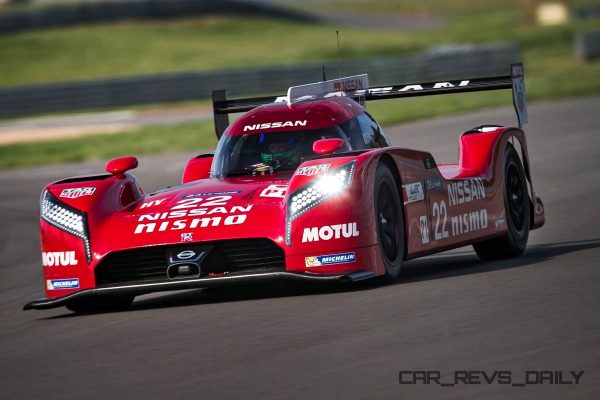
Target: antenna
[[337, 34], [324, 76]]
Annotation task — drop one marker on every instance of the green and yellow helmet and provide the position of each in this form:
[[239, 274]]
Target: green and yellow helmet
[[277, 148]]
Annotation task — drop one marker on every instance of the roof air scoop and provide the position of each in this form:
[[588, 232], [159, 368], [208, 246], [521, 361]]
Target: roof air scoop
[[352, 86]]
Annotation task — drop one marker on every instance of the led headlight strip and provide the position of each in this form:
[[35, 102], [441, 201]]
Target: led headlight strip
[[66, 218], [316, 192]]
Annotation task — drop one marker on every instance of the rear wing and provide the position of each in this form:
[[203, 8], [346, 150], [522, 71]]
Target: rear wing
[[515, 81]]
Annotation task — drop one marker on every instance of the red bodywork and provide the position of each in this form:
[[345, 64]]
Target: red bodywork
[[461, 203]]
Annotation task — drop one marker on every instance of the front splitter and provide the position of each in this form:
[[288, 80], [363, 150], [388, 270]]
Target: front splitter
[[205, 282]]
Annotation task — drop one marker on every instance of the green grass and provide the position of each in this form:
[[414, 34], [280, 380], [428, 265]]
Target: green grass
[[130, 48], [152, 139]]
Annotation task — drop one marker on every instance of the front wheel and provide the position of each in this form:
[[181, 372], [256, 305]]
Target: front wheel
[[517, 213], [390, 224]]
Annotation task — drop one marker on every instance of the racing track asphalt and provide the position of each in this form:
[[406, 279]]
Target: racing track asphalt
[[448, 312]]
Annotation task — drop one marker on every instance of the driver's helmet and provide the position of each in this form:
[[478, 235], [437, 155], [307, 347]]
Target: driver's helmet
[[279, 149]]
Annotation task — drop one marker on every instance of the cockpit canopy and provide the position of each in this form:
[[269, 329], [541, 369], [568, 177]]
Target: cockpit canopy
[[267, 147]]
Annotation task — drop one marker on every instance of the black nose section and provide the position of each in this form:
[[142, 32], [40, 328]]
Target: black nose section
[[186, 261], [182, 271]]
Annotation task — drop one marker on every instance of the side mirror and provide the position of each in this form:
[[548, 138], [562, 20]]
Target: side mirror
[[197, 168], [118, 166], [327, 146]]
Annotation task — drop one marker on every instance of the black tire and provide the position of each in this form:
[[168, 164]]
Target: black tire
[[517, 213], [101, 304], [389, 220]]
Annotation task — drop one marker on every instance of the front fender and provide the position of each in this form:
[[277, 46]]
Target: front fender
[[68, 259]]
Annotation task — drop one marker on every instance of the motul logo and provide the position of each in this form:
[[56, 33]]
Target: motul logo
[[58, 258], [329, 232], [271, 125]]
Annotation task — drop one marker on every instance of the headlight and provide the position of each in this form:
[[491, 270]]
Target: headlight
[[324, 187], [66, 218]]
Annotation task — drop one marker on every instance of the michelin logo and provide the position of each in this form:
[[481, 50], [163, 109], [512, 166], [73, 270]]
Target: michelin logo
[[331, 259], [56, 284]]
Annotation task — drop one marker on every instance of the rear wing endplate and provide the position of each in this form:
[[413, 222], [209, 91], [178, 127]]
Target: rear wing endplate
[[515, 81]]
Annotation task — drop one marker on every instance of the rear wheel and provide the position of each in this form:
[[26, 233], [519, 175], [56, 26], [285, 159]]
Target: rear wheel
[[101, 304], [517, 213], [390, 225]]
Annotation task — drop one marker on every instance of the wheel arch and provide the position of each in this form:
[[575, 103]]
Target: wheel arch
[[518, 143], [388, 160]]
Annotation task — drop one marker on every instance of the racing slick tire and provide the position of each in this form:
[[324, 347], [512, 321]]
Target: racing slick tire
[[517, 213], [389, 220], [100, 304]]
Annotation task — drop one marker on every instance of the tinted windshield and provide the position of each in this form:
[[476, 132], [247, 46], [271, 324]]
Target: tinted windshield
[[263, 152]]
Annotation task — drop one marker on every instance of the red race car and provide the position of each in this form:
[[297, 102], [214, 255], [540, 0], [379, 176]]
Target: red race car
[[303, 187]]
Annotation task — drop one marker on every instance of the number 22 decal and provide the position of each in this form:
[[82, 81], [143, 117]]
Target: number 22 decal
[[439, 212], [212, 201]]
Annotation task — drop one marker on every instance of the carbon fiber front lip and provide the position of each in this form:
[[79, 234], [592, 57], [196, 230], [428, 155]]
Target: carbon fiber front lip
[[143, 288]]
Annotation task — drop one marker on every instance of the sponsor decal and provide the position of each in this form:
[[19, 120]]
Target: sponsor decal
[[469, 222], [192, 254], [434, 184], [186, 254], [408, 88], [152, 203], [414, 192], [194, 212], [460, 224], [59, 258], [440, 215], [183, 216], [57, 284], [312, 170], [460, 192], [191, 202], [424, 228], [272, 125], [348, 85], [194, 223], [465, 191], [77, 192], [329, 232], [187, 237], [499, 222], [274, 191], [330, 259], [518, 89], [228, 192]]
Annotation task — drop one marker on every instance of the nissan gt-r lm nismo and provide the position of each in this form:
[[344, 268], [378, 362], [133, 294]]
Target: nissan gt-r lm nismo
[[303, 187]]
